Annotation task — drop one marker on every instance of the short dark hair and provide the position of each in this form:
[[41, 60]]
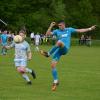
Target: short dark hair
[[22, 31], [61, 21]]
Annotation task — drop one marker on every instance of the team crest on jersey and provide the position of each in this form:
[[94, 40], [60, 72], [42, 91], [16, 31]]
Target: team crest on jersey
[[64, 35]]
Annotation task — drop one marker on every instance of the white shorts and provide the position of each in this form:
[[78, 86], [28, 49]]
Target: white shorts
[[20, 62], [36, 42]]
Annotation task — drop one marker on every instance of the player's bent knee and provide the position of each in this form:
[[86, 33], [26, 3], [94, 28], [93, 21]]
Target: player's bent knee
[[60, 44], [21, 70]]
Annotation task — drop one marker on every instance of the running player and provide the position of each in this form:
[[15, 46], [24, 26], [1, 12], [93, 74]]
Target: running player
[[22, 55], [4, 42]]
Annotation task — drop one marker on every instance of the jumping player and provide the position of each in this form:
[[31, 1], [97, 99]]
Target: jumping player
[[62, 45]]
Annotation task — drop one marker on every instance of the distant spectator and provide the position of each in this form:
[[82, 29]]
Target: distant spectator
[[37, 41], [88, 41], [12, 35], [82, 40], [10, 39], [41, 35], [45, 39], [4, 41], [32, 37]]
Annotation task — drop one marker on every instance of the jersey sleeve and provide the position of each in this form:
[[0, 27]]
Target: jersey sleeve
[[54, 32], [73, 30]]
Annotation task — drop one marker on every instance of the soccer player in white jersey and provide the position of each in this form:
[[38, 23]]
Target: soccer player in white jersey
[[37, 41], [22, 55]]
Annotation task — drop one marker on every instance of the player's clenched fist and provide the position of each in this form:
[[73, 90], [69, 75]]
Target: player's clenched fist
[[52, 24]]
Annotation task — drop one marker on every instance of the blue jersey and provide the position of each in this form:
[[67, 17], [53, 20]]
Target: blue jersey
[[64, 35], [4, 39]]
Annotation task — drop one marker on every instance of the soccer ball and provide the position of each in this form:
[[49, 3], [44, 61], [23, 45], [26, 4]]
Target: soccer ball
[[18, 39]]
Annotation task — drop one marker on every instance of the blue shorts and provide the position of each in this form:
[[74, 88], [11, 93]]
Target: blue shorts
[[20, 62], [59, 52]]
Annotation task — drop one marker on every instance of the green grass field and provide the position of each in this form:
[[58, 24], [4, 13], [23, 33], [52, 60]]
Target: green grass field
[[79, 75]]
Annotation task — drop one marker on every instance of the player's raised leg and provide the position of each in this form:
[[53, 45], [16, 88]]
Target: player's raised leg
[[59, 44]]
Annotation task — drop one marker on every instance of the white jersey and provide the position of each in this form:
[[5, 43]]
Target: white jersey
[[37, 38], [9, 35], [21, 50], [32, 35]]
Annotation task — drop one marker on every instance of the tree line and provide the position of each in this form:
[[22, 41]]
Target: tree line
[[36, 15]]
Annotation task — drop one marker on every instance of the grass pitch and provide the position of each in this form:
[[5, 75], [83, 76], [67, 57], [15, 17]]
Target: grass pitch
[[79, 75]]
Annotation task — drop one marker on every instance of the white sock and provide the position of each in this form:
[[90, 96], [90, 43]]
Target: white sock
[[28, 70], [48, 54], [55, 81], [25, 77]]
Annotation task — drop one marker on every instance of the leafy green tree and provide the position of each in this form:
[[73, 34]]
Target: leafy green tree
[[36, 15]]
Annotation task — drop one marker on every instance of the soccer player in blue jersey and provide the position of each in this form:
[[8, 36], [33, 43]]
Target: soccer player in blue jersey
[[4, 40], [22, 55], [62, 45]]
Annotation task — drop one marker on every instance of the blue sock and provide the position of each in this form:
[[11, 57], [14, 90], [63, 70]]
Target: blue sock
[[54, 73], [53, 50]]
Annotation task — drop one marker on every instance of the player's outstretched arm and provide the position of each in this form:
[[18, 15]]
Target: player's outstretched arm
[[50, 28], [86, 29]]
